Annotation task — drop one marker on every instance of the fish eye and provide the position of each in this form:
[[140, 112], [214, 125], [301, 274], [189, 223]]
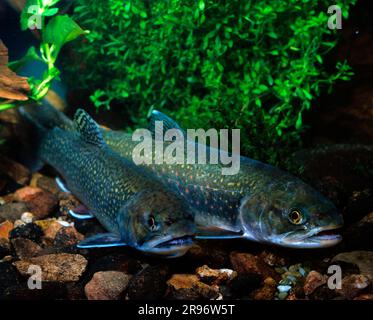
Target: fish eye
[[151, 223], [295, 216]]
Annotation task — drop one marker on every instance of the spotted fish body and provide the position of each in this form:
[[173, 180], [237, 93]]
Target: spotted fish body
[[119, 194], [261, 203], [216, 198], [100, 179], [256, 203]]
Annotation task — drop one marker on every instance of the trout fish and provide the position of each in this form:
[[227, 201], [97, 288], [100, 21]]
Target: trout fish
[[132, 204], [261, 203]]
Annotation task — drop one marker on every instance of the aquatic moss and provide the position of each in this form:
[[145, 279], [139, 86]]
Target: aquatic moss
[[253, 65]]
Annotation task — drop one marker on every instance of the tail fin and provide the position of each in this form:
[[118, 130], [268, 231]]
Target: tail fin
[[39, 120], [47, 117]]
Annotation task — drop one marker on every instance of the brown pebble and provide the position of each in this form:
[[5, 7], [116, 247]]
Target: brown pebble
[[365, 296], [266, 292], [313, 280], [189, 287], [25, 248], [16, 171], [40, 181], [40, 202], [215, 276], [67, 236], [353, 285], [106, 285], [246, 263], [61, 267], [12, 211], [5, 228]]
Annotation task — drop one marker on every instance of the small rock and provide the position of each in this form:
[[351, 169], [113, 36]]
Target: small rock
[[18, 223], [292, 296], [189, 287], [44, 182], [272, 259], [5, 229], [353, 285], [62, 267], [25, 248], [106, 285], [67, 237], [29, 231], [365, 296], [282, 295], [4, 248], [246, 263], [267, 292], [284, 288], [27, 217], [215, 276], [12, 211], [148, 284], [40, 202], [67, 202], [14, 170], [50, 228], [363, 259], [314, 280]]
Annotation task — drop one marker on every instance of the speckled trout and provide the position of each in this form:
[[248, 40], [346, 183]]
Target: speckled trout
[[135, 207], [260, 203]]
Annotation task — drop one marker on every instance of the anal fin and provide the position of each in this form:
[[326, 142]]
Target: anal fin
[[62, 185], [80, 216]]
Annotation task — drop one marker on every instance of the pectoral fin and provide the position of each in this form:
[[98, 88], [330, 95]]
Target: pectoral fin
[[203, 232], [102, 240]]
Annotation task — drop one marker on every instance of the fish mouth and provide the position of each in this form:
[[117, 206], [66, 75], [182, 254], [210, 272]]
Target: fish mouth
[[321, 237], [170, 247], [175, 242]]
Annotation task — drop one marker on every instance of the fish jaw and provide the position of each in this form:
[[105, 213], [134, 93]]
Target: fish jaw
[[317, 238], [169, 246]]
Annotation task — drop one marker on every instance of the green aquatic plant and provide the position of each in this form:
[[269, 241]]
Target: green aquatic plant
[[252, 65], [55, 32]]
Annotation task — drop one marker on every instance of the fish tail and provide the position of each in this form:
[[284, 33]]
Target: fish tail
[[38, 121], [47, 117]]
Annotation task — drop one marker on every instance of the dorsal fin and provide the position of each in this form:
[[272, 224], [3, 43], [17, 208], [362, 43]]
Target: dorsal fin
[[88, 129], [168, 123]]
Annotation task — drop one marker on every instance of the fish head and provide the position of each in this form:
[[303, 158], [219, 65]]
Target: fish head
[[159, 223], [291, 213]]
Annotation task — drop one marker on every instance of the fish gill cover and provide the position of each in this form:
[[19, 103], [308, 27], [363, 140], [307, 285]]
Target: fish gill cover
[[253, 65]]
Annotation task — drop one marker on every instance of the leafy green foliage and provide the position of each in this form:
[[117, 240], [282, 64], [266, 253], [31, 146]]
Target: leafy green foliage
[[55, 34], [60, 30], [253, 65]]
